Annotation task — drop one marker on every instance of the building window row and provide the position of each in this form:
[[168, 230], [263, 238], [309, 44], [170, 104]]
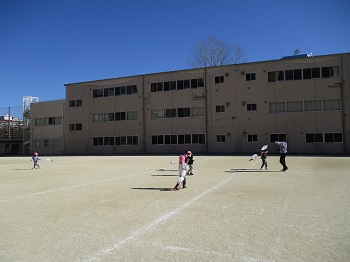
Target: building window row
[[324, 138], [76, 127], [117, 116], [177, 85], [306, 106], [303, 74], [178, 139], [75, 103], [116, 141], [49, 142], [115, 91], [177, 112], [47, 121]]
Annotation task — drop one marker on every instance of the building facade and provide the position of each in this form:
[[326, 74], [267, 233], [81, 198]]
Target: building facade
[[233, 109]]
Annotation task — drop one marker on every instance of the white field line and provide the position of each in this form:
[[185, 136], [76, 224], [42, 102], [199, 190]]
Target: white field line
[[143, 230], [81, 185], [75, 186]]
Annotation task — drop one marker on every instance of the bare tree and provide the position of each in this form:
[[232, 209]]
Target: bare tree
[[214, 52]]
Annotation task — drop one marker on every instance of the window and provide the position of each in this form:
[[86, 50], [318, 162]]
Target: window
[[200, 82], [98, 117], [166, 86], [110, 116], [170, 113], [157, 113], [219, 79], [78, 102], [183, 112], [250, 77], [180, 84], [159, 86], [251, 107], [289, 75], [172, 85], [71, 127], [277, 137], [297, 74], [71, 103], [271, 77], [220, 109], [220, 138], [313, 105], [79, 126], [280, 75], [132, 115], [333, 137], [109, 91], [307, 73], [131, 89], [315, 72], [187, 84], [294, 106], [252, 138], [194, 83], [97, 93], [119, 116], [332, 105], [153, 87], [157, 140], [198, 138], [197, 111], [314, 138], [277, 107]]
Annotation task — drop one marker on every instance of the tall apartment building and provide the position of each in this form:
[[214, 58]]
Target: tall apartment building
[[233, 109]]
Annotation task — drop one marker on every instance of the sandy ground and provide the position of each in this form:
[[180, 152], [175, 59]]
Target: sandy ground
[[122, 208]]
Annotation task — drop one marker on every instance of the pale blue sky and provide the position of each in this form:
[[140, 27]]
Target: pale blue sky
[[47, 43]]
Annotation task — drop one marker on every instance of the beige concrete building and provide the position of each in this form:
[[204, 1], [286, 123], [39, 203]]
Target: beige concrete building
[[232, 109]]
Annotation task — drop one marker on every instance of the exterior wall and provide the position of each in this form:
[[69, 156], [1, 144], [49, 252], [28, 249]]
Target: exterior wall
[[48, 138], [235, 128]]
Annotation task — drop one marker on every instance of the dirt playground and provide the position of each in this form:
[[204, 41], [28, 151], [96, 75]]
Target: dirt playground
[[123, 208]]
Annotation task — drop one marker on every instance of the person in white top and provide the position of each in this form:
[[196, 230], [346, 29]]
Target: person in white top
[[283, 153]]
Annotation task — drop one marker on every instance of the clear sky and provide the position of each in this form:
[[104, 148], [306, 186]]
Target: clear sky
[[45, 44]]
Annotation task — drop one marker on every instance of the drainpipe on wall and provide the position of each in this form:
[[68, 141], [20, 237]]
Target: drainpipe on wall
[[206, 111], [144, 115], [344, 115]]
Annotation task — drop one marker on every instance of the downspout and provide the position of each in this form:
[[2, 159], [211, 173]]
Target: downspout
[[344, 115], [144, 115], [206, 111]]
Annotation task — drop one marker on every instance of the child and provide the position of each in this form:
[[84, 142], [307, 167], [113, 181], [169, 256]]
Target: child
[[35, 159], [189, 162], [182, 172], [263, 158]]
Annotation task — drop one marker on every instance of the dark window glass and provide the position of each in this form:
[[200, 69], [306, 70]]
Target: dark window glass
[[201, 138], [79, 102], [200, 82], [117, 91], [187, 139], [71, 127], [289, 75], [307, 73], [170, 113], [180, 84], [122, 90], [326, 72], [297, 74], [194, 83], [167, 139], [79, 126], [187, 84], [172, 85], [95, 143], [100, 141], [280, 75], [181, 139], [117, 141], [315, 72], [71, 103], [271, 77], [153, 87], [166, 86], [111, 141], [159, 86], [173, 139]]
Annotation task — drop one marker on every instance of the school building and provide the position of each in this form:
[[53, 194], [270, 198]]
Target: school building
[[233, 109]]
